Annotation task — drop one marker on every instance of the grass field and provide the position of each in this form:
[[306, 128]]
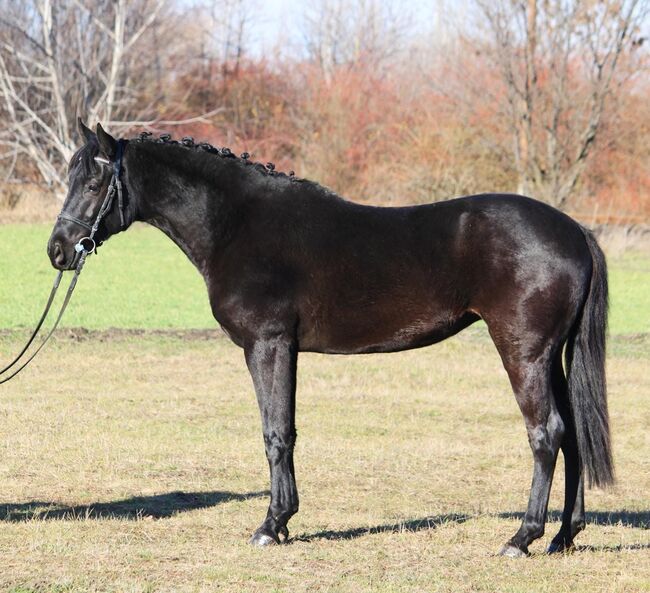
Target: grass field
[[134, 462], [138, 279], [141, 279]]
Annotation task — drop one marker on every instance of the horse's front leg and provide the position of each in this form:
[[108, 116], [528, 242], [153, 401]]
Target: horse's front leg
[[272, 364]]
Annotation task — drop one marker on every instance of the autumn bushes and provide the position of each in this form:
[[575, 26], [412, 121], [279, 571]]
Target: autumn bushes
[[384, 139], [401, 138]]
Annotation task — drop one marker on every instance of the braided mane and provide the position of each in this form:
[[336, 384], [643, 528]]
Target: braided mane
[[223, 152]]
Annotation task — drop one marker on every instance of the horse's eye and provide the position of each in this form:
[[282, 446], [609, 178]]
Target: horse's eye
[[93, 187]]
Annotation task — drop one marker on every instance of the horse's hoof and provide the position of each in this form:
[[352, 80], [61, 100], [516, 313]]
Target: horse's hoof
[[560, 547], [512, 552], [262, 539]]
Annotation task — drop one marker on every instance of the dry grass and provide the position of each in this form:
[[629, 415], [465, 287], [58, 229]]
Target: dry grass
[[617, 240], [27, 203], [410, 469]]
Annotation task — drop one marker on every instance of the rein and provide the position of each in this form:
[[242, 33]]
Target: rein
[[85, 246]]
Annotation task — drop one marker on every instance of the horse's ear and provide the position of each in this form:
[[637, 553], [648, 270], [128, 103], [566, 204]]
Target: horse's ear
[[86, 133], [107, 144]]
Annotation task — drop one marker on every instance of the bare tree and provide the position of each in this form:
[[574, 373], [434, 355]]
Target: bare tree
[[560, 63], [60, 59], [347, 32], [218, 34]]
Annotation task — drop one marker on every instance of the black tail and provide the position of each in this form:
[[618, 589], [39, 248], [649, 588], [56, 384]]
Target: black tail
[[585, 363]]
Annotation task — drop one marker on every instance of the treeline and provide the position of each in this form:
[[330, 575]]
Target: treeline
[[544, 98]]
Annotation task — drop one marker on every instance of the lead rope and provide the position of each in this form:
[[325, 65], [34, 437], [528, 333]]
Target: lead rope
[[85, 247], [68, 295], [55, 287]]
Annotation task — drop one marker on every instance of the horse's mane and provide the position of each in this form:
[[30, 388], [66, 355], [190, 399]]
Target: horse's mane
[[222, 152], [85, 158]]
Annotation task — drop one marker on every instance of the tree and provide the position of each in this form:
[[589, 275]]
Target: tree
[[355, 32], [60, 59], [560, 62]]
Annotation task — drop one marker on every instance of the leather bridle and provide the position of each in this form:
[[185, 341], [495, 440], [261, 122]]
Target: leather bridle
[[85, 246], [115, 186]]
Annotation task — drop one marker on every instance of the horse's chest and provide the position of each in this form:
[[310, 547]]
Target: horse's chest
[[247, 314]]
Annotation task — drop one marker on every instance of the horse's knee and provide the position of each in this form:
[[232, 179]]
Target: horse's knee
[[279, 445]]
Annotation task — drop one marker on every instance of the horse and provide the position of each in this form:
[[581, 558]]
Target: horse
[[292, 267]]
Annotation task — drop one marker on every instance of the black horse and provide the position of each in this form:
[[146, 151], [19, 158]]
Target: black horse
[[290, 267]]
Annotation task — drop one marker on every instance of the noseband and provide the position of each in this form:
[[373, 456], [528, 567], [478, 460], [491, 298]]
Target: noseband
[[85, 246]]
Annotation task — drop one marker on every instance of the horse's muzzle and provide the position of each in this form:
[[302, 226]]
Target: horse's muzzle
[[60, 249], [57, 256]]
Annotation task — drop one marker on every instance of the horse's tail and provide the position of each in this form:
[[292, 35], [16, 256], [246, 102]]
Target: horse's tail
[[585, 364]]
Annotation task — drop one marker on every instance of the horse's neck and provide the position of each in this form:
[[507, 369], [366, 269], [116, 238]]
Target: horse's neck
[[192, 217], [195, 246]]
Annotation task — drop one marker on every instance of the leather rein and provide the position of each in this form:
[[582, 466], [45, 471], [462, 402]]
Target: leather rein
[[85, 246]]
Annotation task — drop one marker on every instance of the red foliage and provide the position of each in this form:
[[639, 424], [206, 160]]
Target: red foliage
[[395, 138]]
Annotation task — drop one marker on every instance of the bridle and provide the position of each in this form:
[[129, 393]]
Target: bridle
[[85, 246]]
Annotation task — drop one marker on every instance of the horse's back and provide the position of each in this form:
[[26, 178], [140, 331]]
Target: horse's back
[[397, 278]]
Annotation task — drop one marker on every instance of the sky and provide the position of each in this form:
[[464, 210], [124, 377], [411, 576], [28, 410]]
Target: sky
[[279, 22]]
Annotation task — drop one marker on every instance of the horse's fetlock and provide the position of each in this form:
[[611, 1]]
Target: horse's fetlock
[[577, 527], [535, 529], [280, 512]]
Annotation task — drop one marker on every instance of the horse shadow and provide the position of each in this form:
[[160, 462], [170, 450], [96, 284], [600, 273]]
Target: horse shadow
[[157, 506], [422, 524], [161, 506], [635, 519]]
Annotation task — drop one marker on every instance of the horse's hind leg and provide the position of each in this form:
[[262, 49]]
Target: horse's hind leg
[[531, 381], [573, 515]]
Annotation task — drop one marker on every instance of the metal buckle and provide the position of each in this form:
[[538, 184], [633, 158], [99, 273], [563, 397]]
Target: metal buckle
[[85, 244]]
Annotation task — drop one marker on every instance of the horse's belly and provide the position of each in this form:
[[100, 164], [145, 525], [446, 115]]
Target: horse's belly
[[371, 331]]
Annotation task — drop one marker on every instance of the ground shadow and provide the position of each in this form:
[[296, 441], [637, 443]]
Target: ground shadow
[[412, 525], [638, 519], [157, 506], [619, 548]]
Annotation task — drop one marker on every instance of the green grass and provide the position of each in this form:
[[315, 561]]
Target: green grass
[[629, 280], [141, 279]]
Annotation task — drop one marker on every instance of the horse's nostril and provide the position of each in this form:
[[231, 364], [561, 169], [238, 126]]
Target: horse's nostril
[[58, 256]]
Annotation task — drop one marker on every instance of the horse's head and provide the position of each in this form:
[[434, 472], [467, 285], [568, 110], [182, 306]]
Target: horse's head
[[89, 176]]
